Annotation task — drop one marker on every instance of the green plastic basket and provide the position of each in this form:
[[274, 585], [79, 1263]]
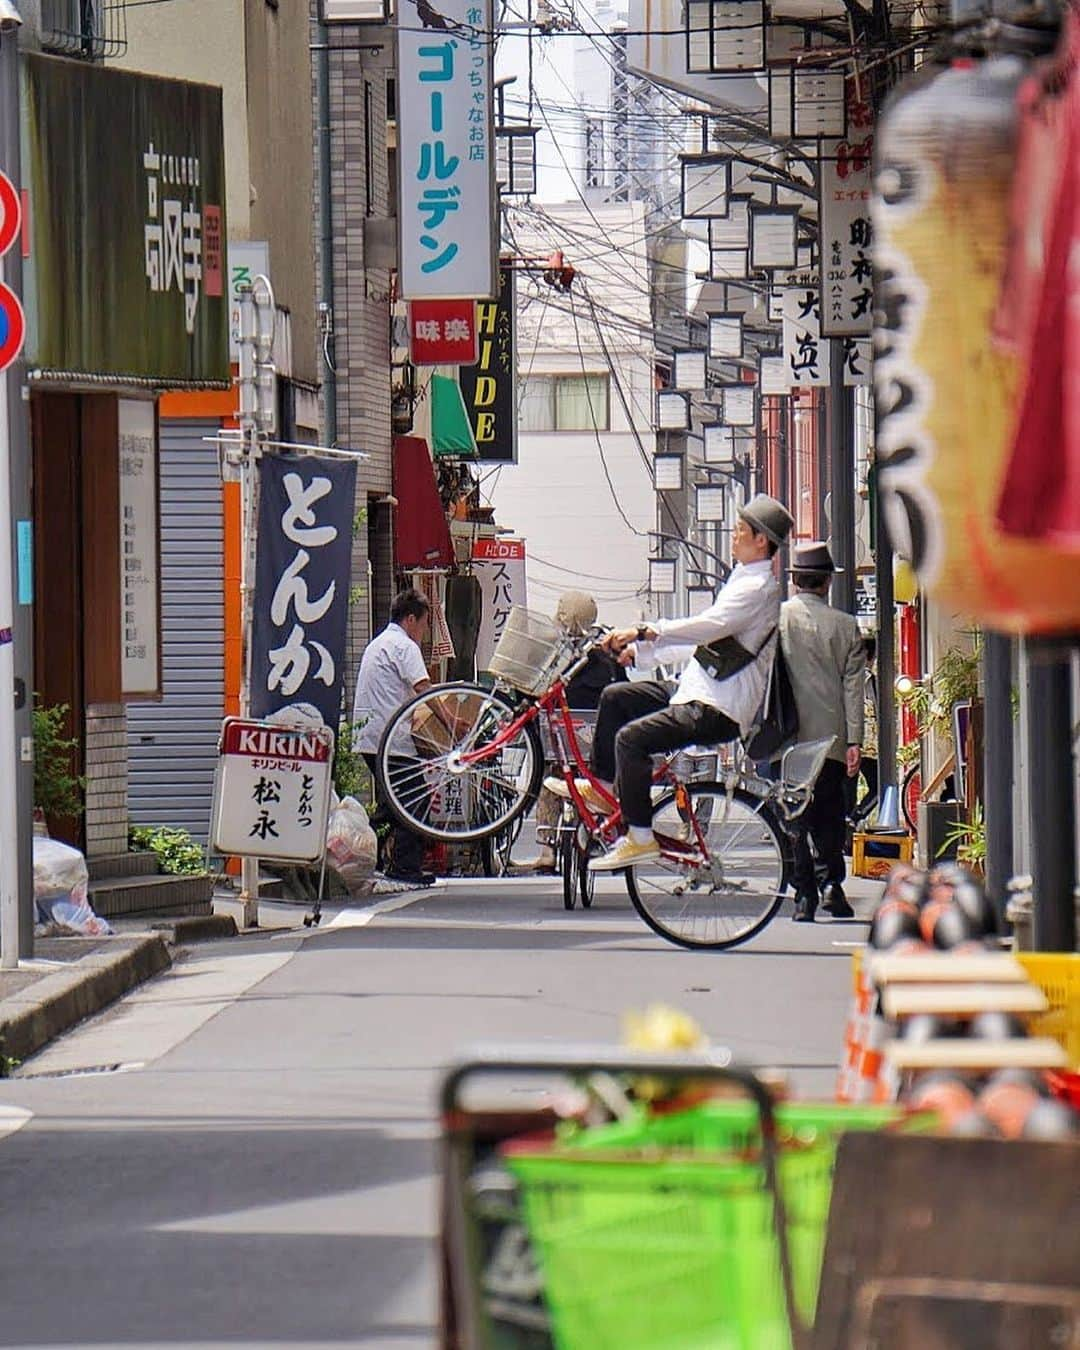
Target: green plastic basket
[[658, 1232]]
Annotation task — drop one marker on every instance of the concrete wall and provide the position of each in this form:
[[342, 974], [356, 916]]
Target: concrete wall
[[203, 41], [280, 154], [361, 313]]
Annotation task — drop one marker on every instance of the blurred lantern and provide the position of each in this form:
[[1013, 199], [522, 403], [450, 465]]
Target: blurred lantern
[[946, 396], [905, 582]]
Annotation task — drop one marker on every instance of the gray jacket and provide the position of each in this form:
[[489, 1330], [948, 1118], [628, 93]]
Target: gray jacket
[[826, 662]]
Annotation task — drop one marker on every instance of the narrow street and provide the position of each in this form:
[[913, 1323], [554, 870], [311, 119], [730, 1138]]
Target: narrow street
[[242, 1152]]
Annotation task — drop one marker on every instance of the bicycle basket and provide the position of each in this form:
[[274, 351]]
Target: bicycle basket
[[529, 651], [800, 764]]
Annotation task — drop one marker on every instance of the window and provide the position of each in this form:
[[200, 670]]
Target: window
[[564, 403]]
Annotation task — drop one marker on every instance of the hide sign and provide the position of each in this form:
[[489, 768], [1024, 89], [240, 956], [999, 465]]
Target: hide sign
[[302, 584]]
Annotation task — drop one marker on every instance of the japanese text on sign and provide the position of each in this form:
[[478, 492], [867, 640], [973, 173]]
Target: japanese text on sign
[[446, 164], [272, 791], [499, 565], [806, 354], [300, 610], [174, 246], [846, 236]]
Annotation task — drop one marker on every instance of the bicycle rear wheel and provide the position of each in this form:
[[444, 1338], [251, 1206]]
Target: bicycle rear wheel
[[428, 783], [722, 896], [569, 866]]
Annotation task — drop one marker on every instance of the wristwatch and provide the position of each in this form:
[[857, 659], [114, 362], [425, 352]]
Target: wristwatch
[[642, 630]]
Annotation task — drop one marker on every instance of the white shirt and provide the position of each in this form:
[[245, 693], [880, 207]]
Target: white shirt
[[390, 669], [747, 607]]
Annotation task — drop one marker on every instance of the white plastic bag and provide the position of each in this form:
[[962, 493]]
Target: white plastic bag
[[58, 869], [61, 880], [351, 846]]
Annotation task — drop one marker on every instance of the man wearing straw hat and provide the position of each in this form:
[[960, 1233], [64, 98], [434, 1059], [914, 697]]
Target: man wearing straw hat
[[826, 660], [729, 651]]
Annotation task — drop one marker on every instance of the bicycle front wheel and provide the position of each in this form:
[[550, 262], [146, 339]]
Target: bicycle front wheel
[[448, 770], [722, 872]]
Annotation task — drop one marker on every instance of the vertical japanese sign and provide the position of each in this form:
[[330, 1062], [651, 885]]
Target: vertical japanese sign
[[446, 160], [139, 663], [301, 584], [247, 259], [499, 566], [846, 235], [488, 386], [806, 353], [127, 181], [272, 791]]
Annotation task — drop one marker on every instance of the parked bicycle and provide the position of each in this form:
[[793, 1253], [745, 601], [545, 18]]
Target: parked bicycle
[[463, 761]]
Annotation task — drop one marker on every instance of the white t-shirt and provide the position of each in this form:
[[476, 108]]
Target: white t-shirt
[[390, 669]]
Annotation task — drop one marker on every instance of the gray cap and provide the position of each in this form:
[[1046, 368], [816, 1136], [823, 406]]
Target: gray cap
[[765, 515]]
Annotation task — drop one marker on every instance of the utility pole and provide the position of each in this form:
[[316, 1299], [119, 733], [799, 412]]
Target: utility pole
[[998, 763], [256, 379], [1051, 792], [326, 230], [16, 579]]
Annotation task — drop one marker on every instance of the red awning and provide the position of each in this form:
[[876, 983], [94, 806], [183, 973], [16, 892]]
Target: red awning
[[422, 535]]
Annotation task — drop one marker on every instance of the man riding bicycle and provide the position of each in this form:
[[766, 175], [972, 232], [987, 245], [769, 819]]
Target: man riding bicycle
[[730, 648]]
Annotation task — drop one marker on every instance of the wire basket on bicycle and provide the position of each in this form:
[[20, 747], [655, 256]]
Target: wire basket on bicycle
[[530, 651]]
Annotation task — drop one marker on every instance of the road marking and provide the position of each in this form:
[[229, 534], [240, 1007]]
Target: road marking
[[360, 918], [13, 1118], [849, 944], [159, 1015]]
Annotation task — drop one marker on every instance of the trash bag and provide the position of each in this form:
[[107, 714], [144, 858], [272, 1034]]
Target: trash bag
[[351, 846], [61, 881]]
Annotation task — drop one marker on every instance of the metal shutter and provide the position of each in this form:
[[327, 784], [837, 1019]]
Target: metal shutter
[[172, 745]]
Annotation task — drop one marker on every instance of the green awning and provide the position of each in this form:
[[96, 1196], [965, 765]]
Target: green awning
[[451, 432]]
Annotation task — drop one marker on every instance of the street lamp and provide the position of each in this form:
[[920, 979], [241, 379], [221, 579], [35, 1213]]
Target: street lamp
[[668, 472], [689, 369], [725, 335], [705, 186], [672, 411], [662, 576]]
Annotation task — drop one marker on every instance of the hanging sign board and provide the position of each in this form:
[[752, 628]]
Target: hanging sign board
[[806, 353], [487, 384], [272, 791], [499, 566], [442, 332], [446, 155], [301, 606], [846, 235]]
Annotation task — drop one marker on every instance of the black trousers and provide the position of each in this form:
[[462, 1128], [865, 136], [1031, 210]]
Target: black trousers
[[408, 847], [635, 721], [822, 824]]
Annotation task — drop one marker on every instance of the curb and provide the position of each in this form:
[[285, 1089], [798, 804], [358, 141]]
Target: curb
[[53, 1005], [196, 928]]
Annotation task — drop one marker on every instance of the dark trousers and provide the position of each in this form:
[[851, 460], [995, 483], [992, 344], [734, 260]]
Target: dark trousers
[[868, 769], [823, 823], [635, 721], [408, 847]]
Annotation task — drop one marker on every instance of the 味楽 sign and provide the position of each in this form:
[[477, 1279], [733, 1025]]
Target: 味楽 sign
[[442, 332], [301, 606], [446, 155], [487, 386], [272, 791]]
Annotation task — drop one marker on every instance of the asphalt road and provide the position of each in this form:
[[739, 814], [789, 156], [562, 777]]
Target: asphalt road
[[242, 1153]]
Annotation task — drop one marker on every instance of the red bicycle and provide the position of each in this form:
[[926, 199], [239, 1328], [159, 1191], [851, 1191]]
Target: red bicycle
[[463, 761]]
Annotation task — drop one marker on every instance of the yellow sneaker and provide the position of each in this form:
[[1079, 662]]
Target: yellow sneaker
[[625, 854], [592, 798]]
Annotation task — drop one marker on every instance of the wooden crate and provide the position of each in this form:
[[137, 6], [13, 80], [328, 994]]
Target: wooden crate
[[875, 855]]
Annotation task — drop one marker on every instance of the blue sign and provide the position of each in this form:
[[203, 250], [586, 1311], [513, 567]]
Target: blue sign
[[302, 569]]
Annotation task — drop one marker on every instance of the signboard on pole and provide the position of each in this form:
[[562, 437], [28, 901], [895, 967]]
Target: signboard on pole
[[140, 666], [446, 155], [134, 286], [247, 259], [499, 566], [488, 386], [806, 353], [272, 791], [846, 232], [442, 332], [10, 213], [12, 326], [301, 605]]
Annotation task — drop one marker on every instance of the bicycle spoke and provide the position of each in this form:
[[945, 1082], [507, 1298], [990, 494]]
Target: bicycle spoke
[[718, 899]]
